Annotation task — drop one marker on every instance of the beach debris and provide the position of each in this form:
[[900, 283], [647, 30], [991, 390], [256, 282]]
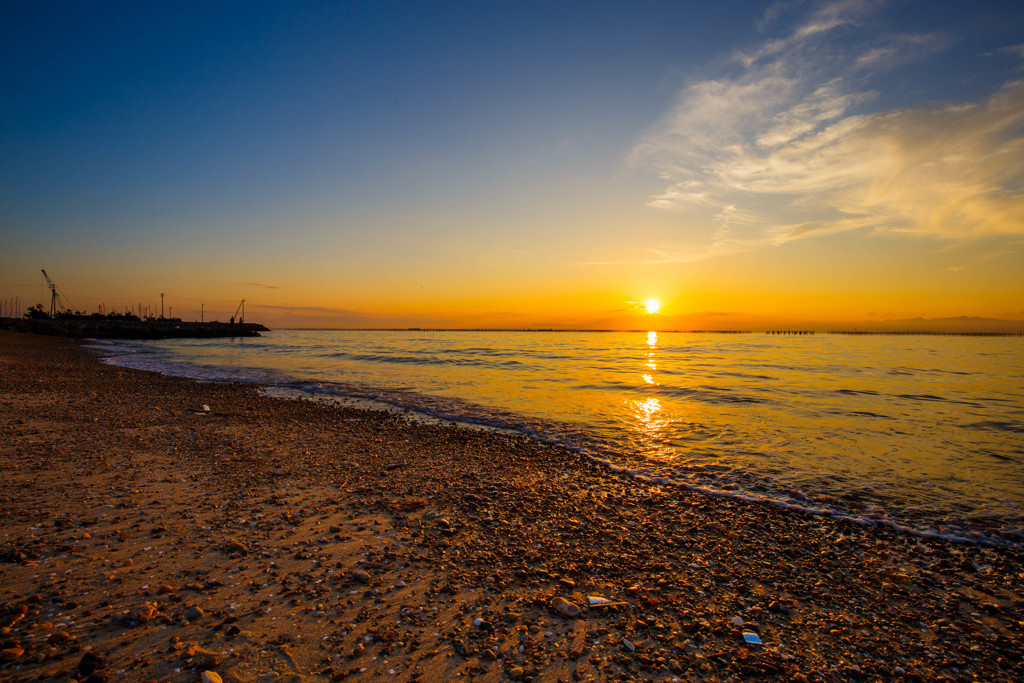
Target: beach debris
[[564, 607], [598, 602], [751, 638]]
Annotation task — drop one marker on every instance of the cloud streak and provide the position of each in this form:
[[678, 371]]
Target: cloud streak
[[786, 149]]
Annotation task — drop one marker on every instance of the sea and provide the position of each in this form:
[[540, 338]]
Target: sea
[[923, 433]]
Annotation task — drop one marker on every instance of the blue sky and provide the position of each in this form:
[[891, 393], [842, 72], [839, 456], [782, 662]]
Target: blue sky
[[511, 158]]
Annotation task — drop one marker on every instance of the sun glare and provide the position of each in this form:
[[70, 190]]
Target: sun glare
[[652, 305]]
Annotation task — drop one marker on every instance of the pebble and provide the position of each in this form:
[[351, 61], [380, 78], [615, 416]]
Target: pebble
[[11, 654], [211, 677], [143, 613], [233, 546], [566, 608]]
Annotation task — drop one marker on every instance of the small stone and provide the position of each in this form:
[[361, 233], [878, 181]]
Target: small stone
[[143, 613], [211, 677], [564, 607], [194, 612], [58, 637], [361, 576], [11, 654], [516, 672], [234, 546], [202, 658], [737, 622], [90, 663]]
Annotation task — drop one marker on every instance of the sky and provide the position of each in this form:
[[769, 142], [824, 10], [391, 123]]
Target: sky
[[516, 164]]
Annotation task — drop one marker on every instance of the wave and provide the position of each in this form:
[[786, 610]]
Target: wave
[[794, 444]]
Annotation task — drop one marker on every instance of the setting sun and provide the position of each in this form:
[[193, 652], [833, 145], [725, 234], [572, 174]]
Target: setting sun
[[652, 305]]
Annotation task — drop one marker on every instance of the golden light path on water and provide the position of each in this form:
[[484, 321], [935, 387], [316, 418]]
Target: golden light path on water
[[650, 424]]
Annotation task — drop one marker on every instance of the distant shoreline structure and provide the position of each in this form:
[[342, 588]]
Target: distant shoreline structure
[[87, 327]]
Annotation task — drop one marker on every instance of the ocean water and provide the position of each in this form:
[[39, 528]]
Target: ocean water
[[923, 433]]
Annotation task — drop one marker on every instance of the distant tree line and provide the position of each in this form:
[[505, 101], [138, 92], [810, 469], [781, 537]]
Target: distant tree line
[[37, 312]]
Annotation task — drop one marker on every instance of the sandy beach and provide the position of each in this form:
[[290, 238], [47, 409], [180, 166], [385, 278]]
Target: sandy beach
[[161, 529]]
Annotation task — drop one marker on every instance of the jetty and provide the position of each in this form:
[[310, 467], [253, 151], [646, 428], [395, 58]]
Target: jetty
[[105, 327]]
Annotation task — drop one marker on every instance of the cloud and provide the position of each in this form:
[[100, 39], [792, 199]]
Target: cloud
[[260, 284], [311, 310], [786, 149], [1014, 50]]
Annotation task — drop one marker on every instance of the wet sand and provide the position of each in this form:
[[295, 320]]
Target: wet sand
[[148, 538]]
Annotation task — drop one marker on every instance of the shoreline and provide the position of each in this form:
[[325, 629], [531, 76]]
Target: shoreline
[[989, 519], [149, 539]]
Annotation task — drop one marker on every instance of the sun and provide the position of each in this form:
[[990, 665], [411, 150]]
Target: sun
[[652, 305]]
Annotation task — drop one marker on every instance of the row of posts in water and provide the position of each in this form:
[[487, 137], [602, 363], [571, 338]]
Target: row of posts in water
[[903, 332]]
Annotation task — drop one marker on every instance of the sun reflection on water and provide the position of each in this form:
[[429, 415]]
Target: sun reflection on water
[[651, 364], [649, 421]]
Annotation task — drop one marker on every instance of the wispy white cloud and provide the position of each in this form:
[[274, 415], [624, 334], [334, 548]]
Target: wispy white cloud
[[775, 11], [1015, 50], [787, 149]]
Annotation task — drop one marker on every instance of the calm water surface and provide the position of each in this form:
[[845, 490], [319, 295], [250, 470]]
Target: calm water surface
[[921, 432]]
